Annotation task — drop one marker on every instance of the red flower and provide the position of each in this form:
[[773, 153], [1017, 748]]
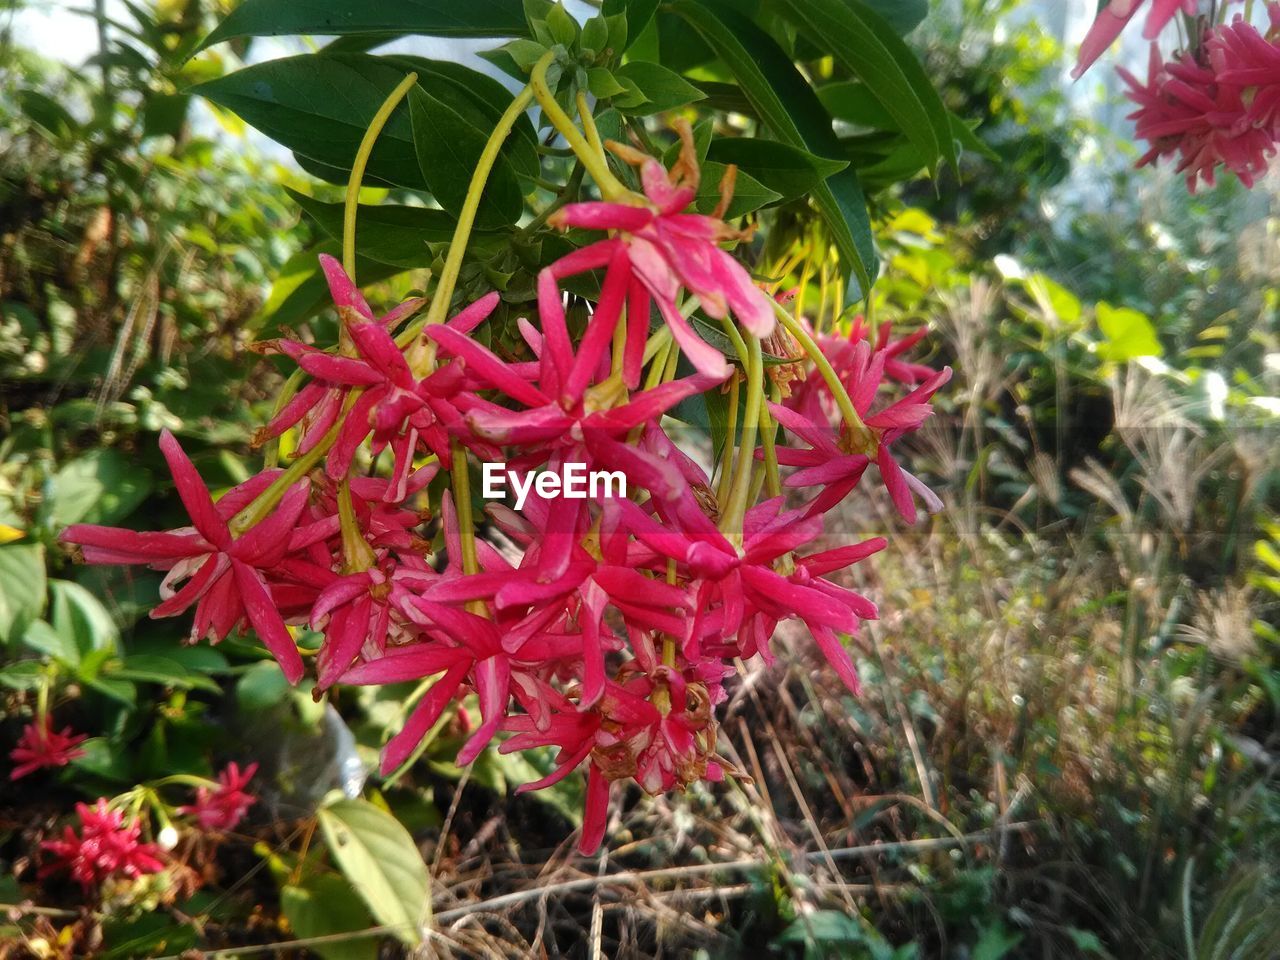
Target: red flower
[[41, 746], [224, 806], [220, 574], [105, 847], [659, 249]]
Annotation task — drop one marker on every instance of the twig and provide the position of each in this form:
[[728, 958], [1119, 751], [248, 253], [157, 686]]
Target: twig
[[697, 869]]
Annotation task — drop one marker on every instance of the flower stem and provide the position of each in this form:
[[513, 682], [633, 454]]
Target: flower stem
[[460, 475], [357, 172], [857, 429], [610, 187], [735, 513], [768, 435], [265, 502], [440, 300]]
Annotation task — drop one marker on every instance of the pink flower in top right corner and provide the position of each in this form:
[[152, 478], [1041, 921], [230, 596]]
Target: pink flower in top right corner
[[1216, 106]]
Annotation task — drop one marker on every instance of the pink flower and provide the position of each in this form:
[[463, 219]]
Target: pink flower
[[224, 806], [657, 250], [1223, 110], [220, 574], [105, 847], [41, 746], [1112, 20]]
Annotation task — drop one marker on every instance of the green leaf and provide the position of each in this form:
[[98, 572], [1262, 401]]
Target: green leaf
[[639, 13], [662, 89], [784, 100], [866, 44], [321, 105], [748, 192], [324, 905], [1129, 334], [47, 113], [853, 102], [390, 234], [449, 150], [603, 84], [300, 290], [261, 687], [996, 942], [434, 18], [42, 638], [902, 15], [80, 617], [380, 859], [22, 588], [23, 675], [165, 671], [482, 101], [789, 171], [101, 486]]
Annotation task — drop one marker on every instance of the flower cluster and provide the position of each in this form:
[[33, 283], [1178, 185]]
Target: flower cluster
[[223, 806], [40, 747], [1216, 104], [604, 627], [105, 847]]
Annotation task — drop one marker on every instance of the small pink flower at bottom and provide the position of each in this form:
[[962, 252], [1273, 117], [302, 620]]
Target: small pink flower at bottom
[[105, 847], [224, 806], [41, 746]]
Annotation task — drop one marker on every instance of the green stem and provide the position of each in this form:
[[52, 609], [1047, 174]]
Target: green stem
[[768, 434], [858, 430], [459, 474], [610, 187], [731, 521], [357, 172], [439, 310], [265, 502], [726, 455]]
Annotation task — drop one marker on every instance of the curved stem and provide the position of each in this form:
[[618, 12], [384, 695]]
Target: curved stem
[[265, 502], [440, 300], [357, 172], [857, 428], [610, 187]]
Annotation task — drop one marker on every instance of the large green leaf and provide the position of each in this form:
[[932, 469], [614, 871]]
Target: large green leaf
[[1129, 334], [866, 44], [391, 234], [324, 905], [660, 89], [378, 856], [79, 616], [903, 15], [321, 106], [789, 171], [787, 104], [748, 192], [300, 290], [22, 588], [437, 18], [449, 149], [100, 486], [638, 12], [481, 100]]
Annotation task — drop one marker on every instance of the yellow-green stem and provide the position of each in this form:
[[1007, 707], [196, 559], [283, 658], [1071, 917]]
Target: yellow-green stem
[[439, 309], [731, 521], [357, 172], [460, 475], [610, 187], [357, 555], [726, 455], [859, 431], [768, 435], [265, 502]]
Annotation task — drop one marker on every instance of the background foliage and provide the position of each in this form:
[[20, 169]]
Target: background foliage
[[1067, 745]]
